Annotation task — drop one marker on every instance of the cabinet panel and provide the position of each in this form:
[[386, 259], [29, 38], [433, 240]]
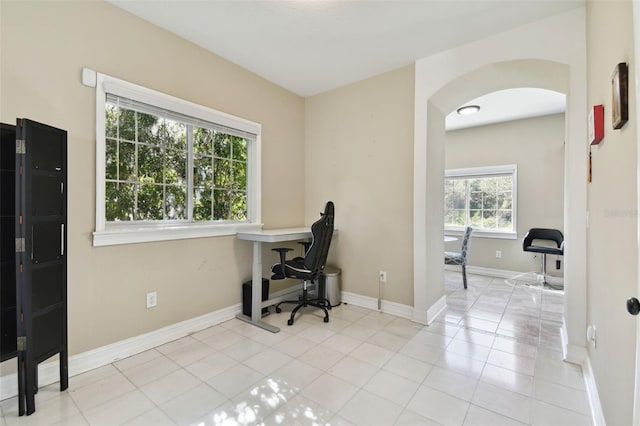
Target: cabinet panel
[[46, 192], [47, 286], [7, 188], [46, 241], [8, 314], [41, 265], [33, 265]]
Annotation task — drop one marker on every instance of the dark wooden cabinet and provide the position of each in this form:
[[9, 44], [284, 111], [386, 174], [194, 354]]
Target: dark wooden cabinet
[[8, 313], [38, 241]]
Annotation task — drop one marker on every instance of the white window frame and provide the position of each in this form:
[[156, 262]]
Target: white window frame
[[113, 233], [471, 172]]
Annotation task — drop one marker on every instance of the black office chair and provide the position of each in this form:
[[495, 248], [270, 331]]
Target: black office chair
[[309, 267], [452, 258], [545, 234]]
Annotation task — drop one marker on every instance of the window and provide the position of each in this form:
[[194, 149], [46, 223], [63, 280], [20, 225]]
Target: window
[[169, 169], [484, 198]]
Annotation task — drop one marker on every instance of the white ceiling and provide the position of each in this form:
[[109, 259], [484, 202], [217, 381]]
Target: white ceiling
[[311, 46], [507, 105]]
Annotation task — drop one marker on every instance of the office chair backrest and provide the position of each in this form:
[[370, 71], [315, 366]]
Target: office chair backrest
[[543, 234], [321, 232], [466, 242]]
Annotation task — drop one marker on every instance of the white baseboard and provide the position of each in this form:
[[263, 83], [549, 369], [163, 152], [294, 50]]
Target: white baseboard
[[501, 273], [564, 338], [419, 316], [571, 353], [436, 309], [597, 415], [579, 355], [49, 373], [397, 309], [490, 272], [392, 308]]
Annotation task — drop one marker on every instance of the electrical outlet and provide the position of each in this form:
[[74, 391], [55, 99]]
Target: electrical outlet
[[498, 254], [382, 276], [152, 299]]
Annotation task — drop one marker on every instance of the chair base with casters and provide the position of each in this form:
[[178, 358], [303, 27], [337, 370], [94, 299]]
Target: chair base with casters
[[544, 234], [309, 267], [460, 259], [319, 303]]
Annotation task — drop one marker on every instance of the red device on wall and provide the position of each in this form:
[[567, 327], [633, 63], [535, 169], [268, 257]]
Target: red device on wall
[[596, 124]]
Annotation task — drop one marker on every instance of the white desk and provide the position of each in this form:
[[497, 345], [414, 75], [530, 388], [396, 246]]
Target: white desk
[[448, 238], [259, 237]]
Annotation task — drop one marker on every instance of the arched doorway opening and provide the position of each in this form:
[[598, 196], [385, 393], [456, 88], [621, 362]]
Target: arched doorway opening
[[522, 57]]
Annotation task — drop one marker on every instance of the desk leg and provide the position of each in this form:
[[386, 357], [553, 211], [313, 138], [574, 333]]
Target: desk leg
[[256, 286], [256, 292]]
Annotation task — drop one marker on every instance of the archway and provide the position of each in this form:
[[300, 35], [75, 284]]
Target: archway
[[526, 56]]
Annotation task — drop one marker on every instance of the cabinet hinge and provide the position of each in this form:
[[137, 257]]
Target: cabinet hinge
[[21, 147], [22, 343], [20, 245]]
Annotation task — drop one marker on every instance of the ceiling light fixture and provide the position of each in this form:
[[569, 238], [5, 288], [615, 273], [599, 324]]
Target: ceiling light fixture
[[468, 109]]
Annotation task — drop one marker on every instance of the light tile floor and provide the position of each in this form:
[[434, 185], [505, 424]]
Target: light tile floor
[[491, 359]]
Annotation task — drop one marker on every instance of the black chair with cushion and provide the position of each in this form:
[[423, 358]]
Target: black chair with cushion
[[452, 258], [309, 267], [552, 237]]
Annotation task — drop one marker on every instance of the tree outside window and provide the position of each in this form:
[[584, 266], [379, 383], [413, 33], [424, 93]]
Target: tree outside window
[[147, 164], [484, 202]]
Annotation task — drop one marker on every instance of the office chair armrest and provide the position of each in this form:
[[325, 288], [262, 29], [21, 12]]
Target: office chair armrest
[[283, 254]]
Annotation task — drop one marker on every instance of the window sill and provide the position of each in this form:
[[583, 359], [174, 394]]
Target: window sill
[[484, 234], [117, 235]]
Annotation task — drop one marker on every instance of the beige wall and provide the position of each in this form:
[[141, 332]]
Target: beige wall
[[536, 146], [434, 212], [357, 145], [612, 233], [358, 153], [44, 46]]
